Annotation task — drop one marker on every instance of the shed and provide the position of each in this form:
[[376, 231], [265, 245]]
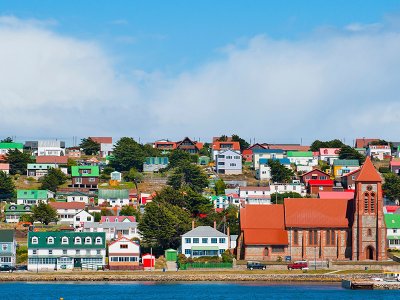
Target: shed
[[171, 255], [116, 176], [148, 260]]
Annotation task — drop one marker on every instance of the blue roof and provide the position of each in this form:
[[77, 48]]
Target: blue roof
[[283, 161], [267, 151]]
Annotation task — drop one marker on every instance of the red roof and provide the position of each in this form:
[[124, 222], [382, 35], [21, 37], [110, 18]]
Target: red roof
[[316, 171], [124, 239], [395, 163], [118, 218], [317, 213], [336, 195], [67, 205], [315, 182], [391, 208], [4, 166], [171, 144], [368, 172], [254, 188], [247, 152], [363, 143], [228, 145], [51, 159], [351, 173], [101, 139], [285, 147]]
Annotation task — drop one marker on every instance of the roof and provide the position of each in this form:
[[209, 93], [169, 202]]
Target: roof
[[315, 171], [254, 188], [75, 171], [11, 146], [288, 147], [58, 235], [363, 143], [17, 208], [63, 160], [299, 154], [204, 231], [368, 172], [32, 194], [317, 213], [395, 163], [320, 182], [256, 151], [172, 144], [67, 205], [283, 161], [329, 151], [163, 160], [101, 140], [4, 166], [346, 162], [336, 195], [116, 225], [392, 221], [7, 236], [391, 208], [113, 194], [226, 145], [352, 172], [122, 239], [263, 224], [118, 218]]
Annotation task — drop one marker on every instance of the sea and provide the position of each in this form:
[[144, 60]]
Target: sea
[[185, 290]]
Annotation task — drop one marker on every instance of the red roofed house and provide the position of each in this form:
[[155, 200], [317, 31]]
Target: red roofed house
[[117, 219], [165, 145], [67, 210], [5, 167], [321, 229], [123, 254], [315, 174], [395, 166], [218, 147], [247, 156], [329, 154], [106, 145], [349, 180], [347, 195], [316, 186], [51, 159], [190, 146], [363, 143]]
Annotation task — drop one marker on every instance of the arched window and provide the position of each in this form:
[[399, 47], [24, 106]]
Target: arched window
[[88, 240], [78, 240], [35, 240], [99, 240], [372, 202], [50, 240], [369, 232], [64, 240], [366, 200]]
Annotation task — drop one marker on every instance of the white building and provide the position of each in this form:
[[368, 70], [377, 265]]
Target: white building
[[123, 254], [295, 187], [392, 222], [66, 211], [204, 241], [255, 194], [263, 172], [113, 230], [114, 197], [51, 148], [81, 218], [33, 197], [266, 154], [228, 162], [379, 151]]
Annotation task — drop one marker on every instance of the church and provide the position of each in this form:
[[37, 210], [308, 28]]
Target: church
[[322, 229]]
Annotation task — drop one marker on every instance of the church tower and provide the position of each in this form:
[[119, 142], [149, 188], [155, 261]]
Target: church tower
[[369, 230]]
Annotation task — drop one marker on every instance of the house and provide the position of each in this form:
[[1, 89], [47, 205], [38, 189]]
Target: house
[[379, 151], [247, 155], [349, 180], [329, 154], [113, 230], [302, 158], [187, 145], [8, 246], [204, 241], [85, 177], [228, 162], [294, 187], [364, 143], [117, 176], [394, 166], [105, 219], [80, 218], [52, 159], [123, 254], [155, 164], [106, 145], [32, 197], [287, 147], [67, 210], [66, 250], [5, 147], [74, 152], [165, 146], [264, 171], [75, 196], [51, 148], [315, 174], [316, 186], [220, 146], [39, 170], [255, 195], [344, 166], [13, 212], [113, 197], [220, 202], [267, 154], [392, 222], [5, 167], [319, 229]]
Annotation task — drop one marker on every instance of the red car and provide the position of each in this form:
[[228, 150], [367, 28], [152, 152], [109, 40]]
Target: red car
[[298, 265]]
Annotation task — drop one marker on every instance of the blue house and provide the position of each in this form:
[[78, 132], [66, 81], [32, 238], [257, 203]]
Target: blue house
[[7, 248]]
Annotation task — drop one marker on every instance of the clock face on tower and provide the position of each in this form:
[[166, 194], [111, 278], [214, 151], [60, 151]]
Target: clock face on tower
[[369, 188]]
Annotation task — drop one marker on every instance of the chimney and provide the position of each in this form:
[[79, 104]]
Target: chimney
[[228, 233], [192, 224], [215, 224]]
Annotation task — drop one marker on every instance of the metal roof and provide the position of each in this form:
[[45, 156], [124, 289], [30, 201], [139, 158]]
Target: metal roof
[[204, 231]]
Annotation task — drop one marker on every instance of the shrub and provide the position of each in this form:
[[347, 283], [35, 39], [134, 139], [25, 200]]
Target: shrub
[[227, 257]]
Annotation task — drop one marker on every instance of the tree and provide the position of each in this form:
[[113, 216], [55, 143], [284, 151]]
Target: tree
[[243, 144], [130, 211], [134, 175], [178, 156], [89, 147], [96, 216], [188, 175], [205, 151], [7, 140], [26, 218], [316, 145], [127, 154], [278, 198], [53, 179], [44, 213], [391, 187], [279, 172], [171, 196], [220, 187], [223, 138], [196, 203], [347, 152], [18, 161], [7, 187]]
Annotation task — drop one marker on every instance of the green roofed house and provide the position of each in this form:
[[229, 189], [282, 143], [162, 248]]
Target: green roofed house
[[393, 230], [204, 160], [14, 211], [5, 147], [343, 166], [85, 177], [303, 158], [32, 197], [8, 247], [113, 197], [155, 164], [66, 250]]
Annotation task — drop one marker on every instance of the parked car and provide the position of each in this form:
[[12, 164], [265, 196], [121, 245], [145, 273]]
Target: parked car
[[21, 268], [7, 268], [251, 265], [298, 265]]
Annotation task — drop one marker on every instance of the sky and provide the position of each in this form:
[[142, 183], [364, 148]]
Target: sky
[[270, 71]]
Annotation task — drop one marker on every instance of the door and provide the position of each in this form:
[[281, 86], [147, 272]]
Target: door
[[370, 253], [77, 262]]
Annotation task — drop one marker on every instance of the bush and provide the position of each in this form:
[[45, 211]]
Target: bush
[[227, 257], [384, 170]]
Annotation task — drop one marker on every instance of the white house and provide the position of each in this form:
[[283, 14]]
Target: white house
[[204, 241], [228, 162], [114, 197], [123, 254], [116, 176], [392, 222], [39, 170], [114, 230], [267, 154], [302, 158], [53, 148], [66, 211], [263, 172], [379, 151], [255, 194], [33, 197], [295, 187], [80, 218], [5, 147]]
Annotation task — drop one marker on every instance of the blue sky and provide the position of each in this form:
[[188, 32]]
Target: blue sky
[[161, 60]]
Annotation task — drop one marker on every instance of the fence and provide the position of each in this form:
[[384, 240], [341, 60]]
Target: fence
[[205, 265], [92, 267]]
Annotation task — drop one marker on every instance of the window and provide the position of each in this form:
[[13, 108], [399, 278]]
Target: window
[[35, 240], [277, 249], [78, 252], [98, 252], [372, 202], [91, 179], [64, 252], [295, 237], [330, 237], [123, 246], [64, 240], [213, 240], [188, 251], [369, 232], [78, 180], [78, 218], [195, 240], [34, 251], [50, 252], [221, 251], [366, 200], [204, 240], [313, 237], [99, 240], [394, 230], [221, 240], [188, 240], [78, 240], [4, 247]]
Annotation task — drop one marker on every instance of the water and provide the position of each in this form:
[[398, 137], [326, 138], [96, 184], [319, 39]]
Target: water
[[198, 290]]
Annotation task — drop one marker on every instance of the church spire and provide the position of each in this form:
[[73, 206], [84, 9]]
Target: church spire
[[368, 172]]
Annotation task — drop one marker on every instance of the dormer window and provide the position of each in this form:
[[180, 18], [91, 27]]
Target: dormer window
[[99, 241], [50, 240], [78, 240], [88, 240], [12, 207], [35, 240], [64, 240], [107, 220], [116, 220]]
